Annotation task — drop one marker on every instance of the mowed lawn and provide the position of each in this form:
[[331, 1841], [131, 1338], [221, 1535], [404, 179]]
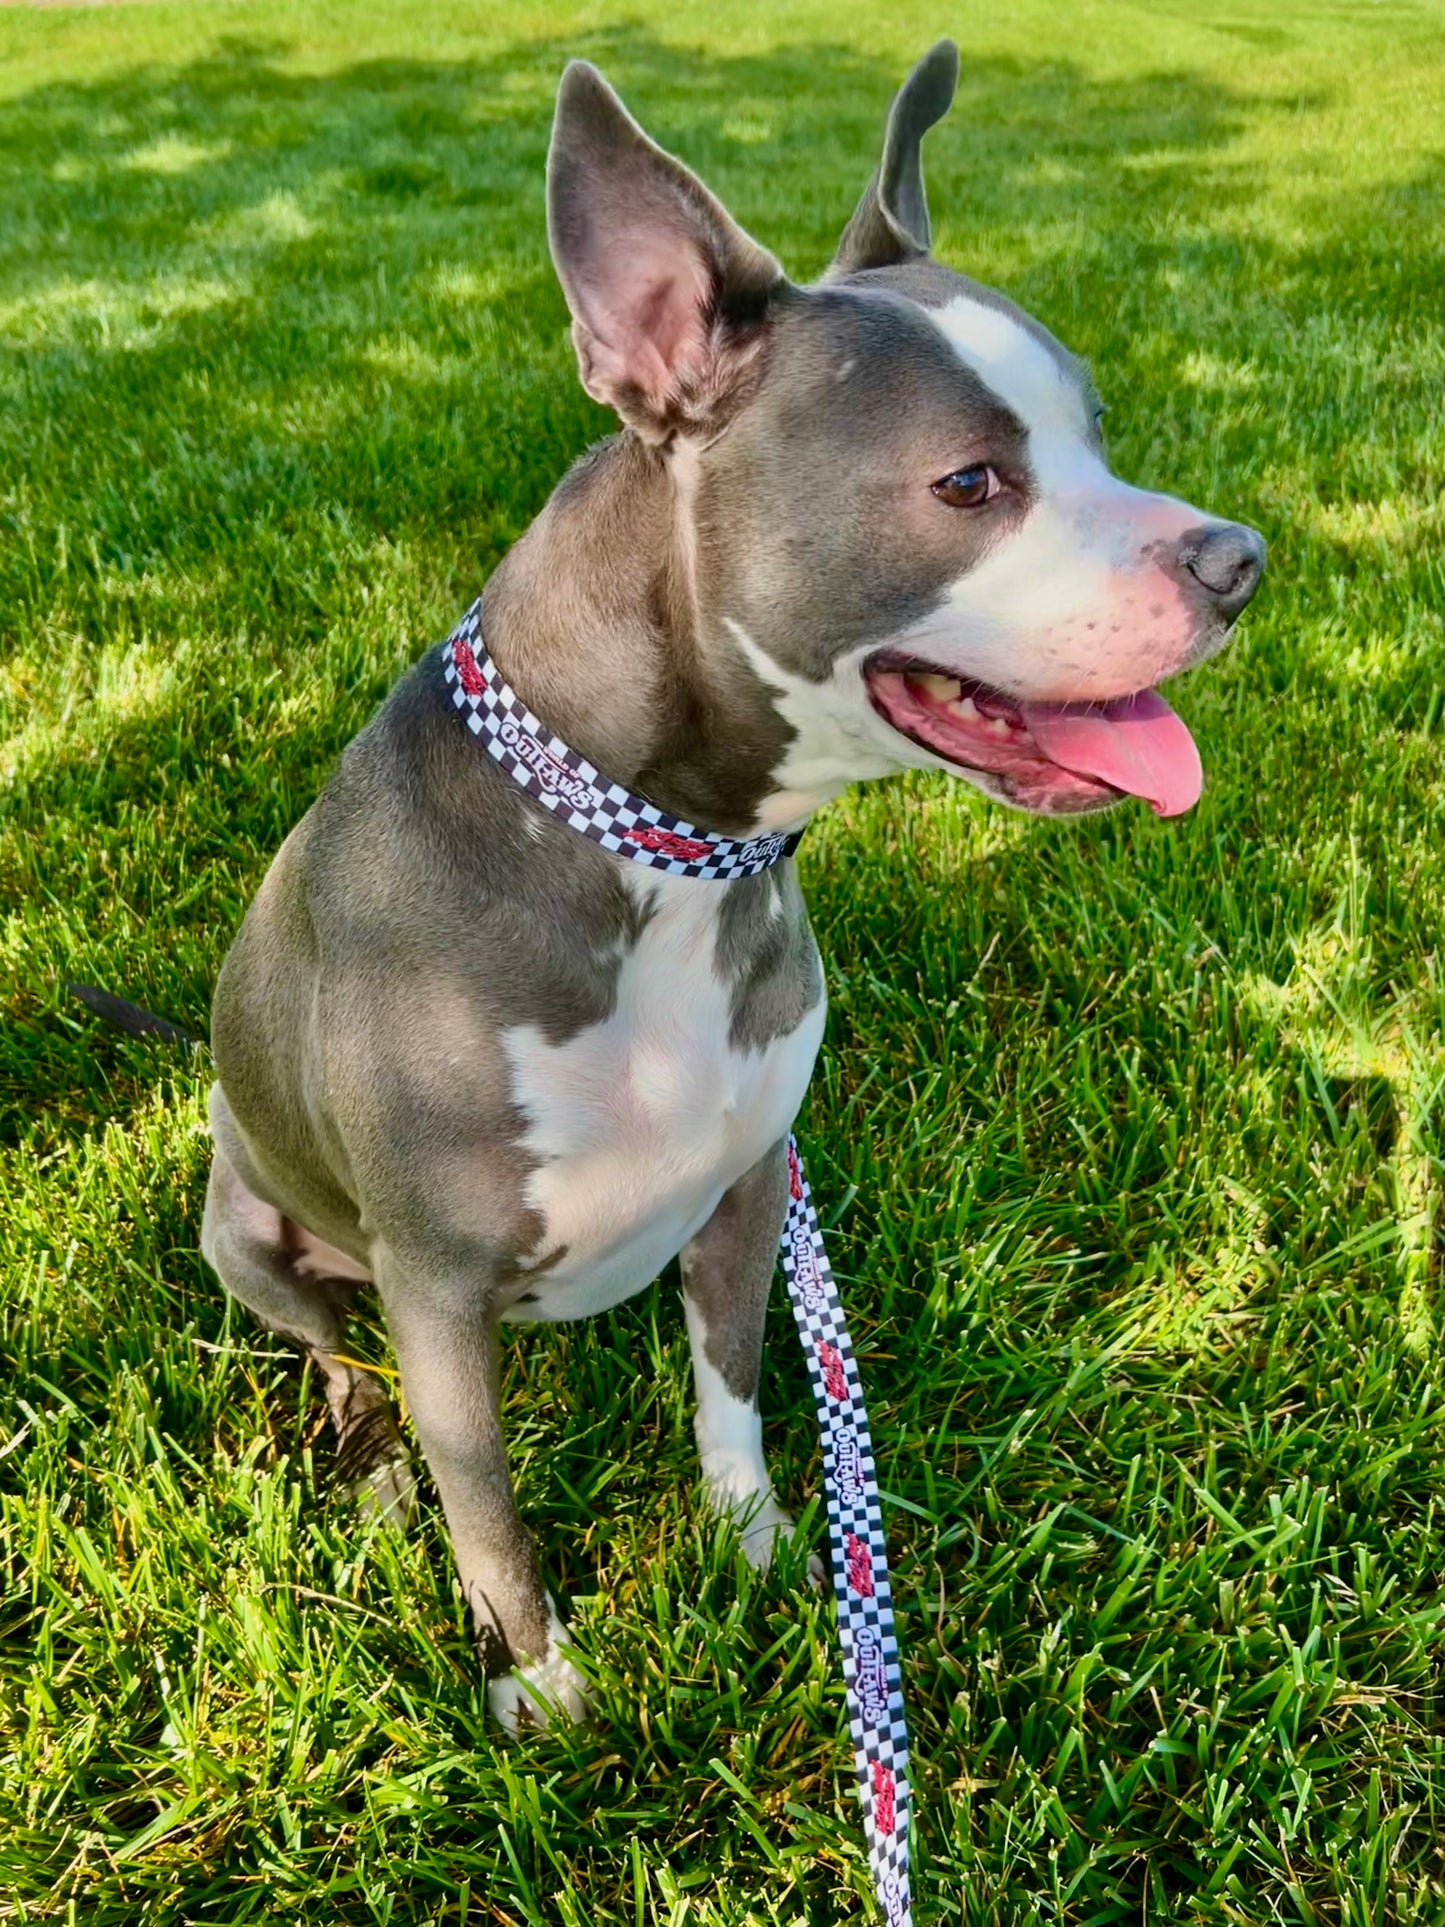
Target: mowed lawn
[[1130, 1131]]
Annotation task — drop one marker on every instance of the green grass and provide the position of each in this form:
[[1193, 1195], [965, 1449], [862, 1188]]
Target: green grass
[[1132, 1131]]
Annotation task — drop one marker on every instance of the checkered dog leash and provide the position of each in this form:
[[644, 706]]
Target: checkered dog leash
[[569, 786]]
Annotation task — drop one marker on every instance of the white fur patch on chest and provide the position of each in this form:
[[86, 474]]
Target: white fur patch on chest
[[642, 1122]]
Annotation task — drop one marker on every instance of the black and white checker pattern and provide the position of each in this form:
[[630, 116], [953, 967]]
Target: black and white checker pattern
[[569, 786], [575, 792], [860, 1551]]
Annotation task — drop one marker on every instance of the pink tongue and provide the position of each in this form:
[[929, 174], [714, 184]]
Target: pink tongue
[[1138, 745]]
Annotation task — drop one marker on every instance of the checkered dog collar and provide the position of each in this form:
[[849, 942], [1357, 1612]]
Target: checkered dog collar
[[568, 785], [573, 790]]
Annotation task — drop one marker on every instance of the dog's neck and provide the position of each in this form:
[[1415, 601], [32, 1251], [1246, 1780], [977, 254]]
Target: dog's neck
[[593, 619]]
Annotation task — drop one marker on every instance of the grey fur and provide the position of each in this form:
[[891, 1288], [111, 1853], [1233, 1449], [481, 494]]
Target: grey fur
[[251, 1249], [592, 618], [414, 873], [134, 1019], [727, 1271], [890, 223], [766, 953], [423, 907], [447, 1348], [608, 188], [865, 404], [932, 285]]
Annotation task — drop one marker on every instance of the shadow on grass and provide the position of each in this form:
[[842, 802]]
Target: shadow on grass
[[227, 266], [281, 338], [290, 373]]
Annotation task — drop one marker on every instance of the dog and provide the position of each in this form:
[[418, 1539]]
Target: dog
[[472, 1058]]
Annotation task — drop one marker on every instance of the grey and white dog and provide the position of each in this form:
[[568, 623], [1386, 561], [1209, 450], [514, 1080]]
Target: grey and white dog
[[474, 1059]]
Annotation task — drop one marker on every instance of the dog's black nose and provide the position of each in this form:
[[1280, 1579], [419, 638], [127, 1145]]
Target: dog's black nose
[[1226, 561]]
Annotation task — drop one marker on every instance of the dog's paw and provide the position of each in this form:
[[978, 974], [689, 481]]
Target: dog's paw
[[539, 1693], [761, 1529], [388, 1492], [372, 1463]]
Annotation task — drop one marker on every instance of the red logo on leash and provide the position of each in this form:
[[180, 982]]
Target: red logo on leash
[[860, 1567], [831, 1359], [795, 1175], [884, 1812], [686, 849]]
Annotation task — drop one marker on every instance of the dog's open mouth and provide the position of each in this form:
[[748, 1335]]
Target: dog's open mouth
[[1052, 757]]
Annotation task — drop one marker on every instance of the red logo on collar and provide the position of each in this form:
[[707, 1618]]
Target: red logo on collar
[[686, 849], [795, 1176], [468, 674]]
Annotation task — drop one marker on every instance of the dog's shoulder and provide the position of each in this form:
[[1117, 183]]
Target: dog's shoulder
[[423, 875], [417, 810]]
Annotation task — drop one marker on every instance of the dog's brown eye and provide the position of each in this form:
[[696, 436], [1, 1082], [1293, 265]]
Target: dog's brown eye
[[967, 488]]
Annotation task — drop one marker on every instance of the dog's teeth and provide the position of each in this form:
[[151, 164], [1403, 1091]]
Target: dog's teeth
[[943, 689], [999, 725], [966, 711]]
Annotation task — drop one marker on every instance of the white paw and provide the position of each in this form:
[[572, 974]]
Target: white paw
[[388, 1492], [762, 1526], [539, 1692]]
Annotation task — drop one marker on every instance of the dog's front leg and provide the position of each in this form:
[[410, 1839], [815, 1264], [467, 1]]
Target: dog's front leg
[[727, 1272], [445, 1339]]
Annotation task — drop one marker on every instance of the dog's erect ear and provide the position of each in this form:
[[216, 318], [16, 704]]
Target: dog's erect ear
[[669, 297], [890, 223]]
